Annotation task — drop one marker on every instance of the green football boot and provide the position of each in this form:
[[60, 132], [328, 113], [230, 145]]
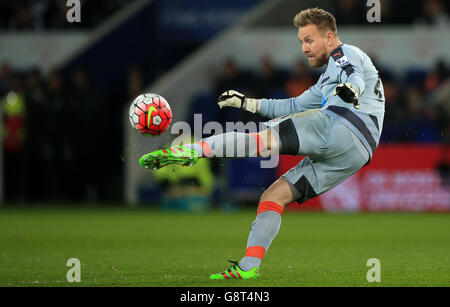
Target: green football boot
[[173, 155], [235, 272]]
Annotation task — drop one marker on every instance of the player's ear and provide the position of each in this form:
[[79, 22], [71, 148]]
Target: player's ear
[[330, 37]]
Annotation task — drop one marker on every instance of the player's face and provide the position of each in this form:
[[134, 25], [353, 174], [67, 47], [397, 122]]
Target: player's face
[[314, 45]]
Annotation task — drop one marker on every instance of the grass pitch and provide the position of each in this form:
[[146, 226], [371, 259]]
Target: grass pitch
[[143, 247]]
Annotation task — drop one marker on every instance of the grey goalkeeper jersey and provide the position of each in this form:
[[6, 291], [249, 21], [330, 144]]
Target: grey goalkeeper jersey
[[346, 64]]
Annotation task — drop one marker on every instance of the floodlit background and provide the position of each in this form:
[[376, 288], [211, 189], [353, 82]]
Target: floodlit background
[[65, 89]]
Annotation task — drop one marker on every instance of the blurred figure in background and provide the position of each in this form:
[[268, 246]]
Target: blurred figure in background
[[388, 13], [434, 14], [437, 77], [231, 75], [300, 80], [55, 124], [271, 80], [13, 132], [421, 126], [86, 137], [36, 98], [349, 12], [51, 14], [395, 115], [443, 166], [6, 77], [55, 149], [395, 105], [22, 19]]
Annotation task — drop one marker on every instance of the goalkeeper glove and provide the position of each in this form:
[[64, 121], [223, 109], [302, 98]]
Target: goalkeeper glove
[[235, 99], [347, 93]]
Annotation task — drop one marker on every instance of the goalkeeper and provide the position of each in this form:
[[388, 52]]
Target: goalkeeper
[[336, 124]]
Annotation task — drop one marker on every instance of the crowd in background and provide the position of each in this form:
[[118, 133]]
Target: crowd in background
[[63, 145], [417, 100], [51, 14], [19, 15], [394, 12], [58, 137], [62, 136]]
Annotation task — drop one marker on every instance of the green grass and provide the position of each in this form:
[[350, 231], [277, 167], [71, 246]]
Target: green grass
[[126, 247]]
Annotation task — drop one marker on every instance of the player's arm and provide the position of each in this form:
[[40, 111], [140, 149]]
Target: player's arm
[[351, 77], [272, 108]]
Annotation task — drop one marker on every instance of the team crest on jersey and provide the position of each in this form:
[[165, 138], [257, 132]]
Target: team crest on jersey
[[342, 61]]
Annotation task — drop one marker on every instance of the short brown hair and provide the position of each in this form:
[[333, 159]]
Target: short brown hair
[[321, 18]]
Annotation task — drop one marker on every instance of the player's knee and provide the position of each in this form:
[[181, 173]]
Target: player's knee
[[265, 196], [279, 193]]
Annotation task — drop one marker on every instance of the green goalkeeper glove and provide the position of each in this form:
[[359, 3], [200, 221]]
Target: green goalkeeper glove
[[235, 99]]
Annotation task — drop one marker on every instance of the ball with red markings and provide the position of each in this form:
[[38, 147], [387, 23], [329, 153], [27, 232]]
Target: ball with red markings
[[150, 114]]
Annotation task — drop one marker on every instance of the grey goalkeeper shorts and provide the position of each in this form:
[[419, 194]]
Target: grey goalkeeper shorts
[[333, 152]]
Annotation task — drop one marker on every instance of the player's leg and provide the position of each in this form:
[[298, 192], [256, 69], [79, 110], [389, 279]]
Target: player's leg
[[310, 178], [337, 153], [281, 193], [264, 229], [236, 145], [282, 137], [267, 223], [228, 145], [270, 210]]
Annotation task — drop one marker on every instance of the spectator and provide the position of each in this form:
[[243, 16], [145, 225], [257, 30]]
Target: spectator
[[434, 14], [51, 14], [36, 98], [350, 12], [437, 76], [85, 139], [53, 125], [388, 13], [395, 105], [13, 112], [22, 20], [6, 77], [271, 81], [395, 118], [231, 77], [421, 126], [300, 80]]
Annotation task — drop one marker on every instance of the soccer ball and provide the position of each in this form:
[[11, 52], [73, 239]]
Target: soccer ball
[[150, 114]]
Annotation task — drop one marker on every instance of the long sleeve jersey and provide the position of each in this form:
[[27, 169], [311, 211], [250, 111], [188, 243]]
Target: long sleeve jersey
[[346, 64]]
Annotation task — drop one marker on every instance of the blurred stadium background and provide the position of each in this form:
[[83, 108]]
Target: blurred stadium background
[[65, 89]]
